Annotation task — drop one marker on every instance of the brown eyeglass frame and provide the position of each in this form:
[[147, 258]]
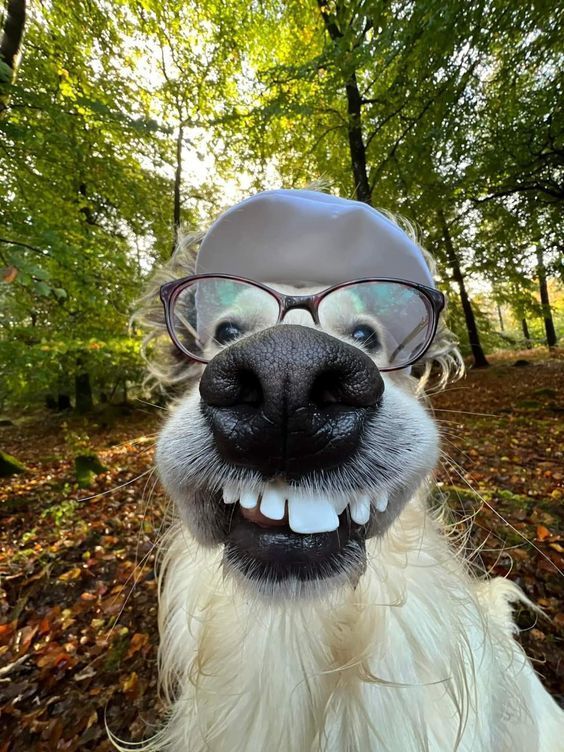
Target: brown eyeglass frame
[[170, 291]]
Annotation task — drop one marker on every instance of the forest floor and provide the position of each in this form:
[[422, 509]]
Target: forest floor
[[78, 607]]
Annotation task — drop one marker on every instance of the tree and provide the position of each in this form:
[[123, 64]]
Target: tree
[[551, 339], [79, 204], [10, 44]]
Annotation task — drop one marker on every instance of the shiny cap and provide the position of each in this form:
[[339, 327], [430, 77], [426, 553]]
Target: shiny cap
[[302, 237]]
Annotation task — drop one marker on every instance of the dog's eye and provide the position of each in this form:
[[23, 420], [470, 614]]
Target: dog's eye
[[226, 332], [364, 335]]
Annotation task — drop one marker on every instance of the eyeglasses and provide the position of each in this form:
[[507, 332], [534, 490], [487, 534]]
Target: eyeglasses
[[393, 320]]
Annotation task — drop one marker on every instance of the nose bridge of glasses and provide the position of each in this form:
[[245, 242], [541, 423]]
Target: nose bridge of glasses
[[299, 302]]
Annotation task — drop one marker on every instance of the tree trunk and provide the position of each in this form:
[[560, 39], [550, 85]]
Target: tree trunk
[[500, 317], [357, 147], [177, 186], [85, 209], [526, 334], [478, 354], [356, 142], [10, 44], [83, 393], [551, 339], [63, 402]]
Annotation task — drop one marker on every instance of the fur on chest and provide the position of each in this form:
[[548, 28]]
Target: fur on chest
[[416, 657]]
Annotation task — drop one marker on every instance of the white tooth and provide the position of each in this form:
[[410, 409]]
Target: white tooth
[[382, 502], [309, 513], [273, 503], [339, 503], [230, 493], [360, 509], [248, 499]]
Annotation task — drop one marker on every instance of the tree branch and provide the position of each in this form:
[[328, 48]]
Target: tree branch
[[556, 193], [24, 245], [383, 123], [398, 141]]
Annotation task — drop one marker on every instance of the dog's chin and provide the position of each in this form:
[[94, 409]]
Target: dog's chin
[[273, 559]]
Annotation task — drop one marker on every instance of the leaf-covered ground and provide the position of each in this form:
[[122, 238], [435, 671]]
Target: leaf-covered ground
[[78, 593]]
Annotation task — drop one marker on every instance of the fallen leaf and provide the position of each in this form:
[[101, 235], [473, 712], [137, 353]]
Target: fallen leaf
[[138, 641], [71, 574], [542, 532], [129, 683]]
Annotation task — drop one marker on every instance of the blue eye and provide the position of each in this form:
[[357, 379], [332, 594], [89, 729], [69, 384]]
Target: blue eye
[[365, 335], [227, 331]]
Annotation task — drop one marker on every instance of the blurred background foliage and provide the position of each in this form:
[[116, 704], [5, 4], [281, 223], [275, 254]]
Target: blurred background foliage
[[121, 122]]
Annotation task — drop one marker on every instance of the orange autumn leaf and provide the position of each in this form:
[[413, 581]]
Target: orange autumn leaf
[[559, 619], [7, 630], [54, 657], [138, 641], [542, 532]]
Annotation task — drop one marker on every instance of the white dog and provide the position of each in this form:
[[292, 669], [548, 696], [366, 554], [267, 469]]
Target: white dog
[[310, 599]]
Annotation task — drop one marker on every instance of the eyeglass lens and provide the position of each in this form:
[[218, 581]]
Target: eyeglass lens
[[390, 320]]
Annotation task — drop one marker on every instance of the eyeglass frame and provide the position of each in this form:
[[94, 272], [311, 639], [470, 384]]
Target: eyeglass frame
[[170, 291]]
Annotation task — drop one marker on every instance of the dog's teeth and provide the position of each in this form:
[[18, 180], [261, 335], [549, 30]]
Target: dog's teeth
[[360, 509], [273, 503], [230, 494], [381, 502], [248, 499], [339, 503], [309, 513]]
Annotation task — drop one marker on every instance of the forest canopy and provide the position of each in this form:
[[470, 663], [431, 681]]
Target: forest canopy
[[121, 123]]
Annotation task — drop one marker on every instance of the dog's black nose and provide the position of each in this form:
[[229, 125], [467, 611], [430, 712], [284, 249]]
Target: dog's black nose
[[289, 400]]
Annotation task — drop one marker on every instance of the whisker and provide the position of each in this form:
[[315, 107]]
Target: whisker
[[146, 506], [505, 521], [151, 404], [139, 440], [455, 389], [458, 449], [115, 488], [465, 412], [138, 566], [139, 563]]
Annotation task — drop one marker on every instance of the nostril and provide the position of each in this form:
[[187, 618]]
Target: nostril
[[228, 384], [250, 388], [327, 389]]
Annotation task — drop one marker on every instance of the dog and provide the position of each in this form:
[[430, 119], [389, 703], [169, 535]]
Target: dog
[[311, 599]]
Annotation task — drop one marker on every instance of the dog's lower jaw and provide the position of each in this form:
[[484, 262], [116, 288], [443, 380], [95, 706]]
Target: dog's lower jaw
[[416, 657], [301, 582], [273, 560]]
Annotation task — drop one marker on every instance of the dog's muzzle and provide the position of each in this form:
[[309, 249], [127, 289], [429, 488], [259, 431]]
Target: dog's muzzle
[[289, 401], [286, 403]]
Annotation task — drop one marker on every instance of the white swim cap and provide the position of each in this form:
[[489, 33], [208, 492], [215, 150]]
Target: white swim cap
[[302, 237]]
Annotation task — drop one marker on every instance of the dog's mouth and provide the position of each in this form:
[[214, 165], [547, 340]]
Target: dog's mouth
[[283, 532]]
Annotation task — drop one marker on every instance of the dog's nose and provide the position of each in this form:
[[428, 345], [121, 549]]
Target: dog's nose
[[289, 400]]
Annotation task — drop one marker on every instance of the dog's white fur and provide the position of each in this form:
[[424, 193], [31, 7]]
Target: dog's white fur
[[417, 655]]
